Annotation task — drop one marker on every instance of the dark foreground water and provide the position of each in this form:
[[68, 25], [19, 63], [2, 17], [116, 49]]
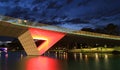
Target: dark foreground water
[[59, 61]]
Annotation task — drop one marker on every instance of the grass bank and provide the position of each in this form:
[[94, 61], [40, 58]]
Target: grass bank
[[95, 50]]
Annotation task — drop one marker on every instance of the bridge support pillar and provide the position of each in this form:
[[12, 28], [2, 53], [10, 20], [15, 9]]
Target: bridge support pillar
[[28, 44]]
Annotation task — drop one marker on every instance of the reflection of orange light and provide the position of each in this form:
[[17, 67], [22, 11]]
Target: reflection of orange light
[[96, 57], [75, 56], [106, 56], [81, 57], [42, 63], [50, 37]]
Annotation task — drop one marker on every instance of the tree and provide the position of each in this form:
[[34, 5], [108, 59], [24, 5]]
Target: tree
[[99, 30], [111, 29], [88, 29]]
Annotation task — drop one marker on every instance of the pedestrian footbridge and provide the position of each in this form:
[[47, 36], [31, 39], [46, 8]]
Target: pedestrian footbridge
[[27, 33]]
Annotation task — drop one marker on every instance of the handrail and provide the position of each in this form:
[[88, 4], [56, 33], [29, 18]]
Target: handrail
[[97, 34]]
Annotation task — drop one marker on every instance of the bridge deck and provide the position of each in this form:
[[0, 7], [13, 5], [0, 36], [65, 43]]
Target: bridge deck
[[25, 23], [19, 29]]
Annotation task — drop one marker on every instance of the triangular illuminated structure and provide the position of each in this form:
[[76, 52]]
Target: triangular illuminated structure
[[49, 37]]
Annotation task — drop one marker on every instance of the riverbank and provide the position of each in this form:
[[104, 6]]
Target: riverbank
[[93, 50], [90, 50]]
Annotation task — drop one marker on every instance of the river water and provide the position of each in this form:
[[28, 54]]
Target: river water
[[60, 61]]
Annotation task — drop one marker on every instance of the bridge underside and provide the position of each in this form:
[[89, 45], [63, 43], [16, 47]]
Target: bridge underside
[[72, 39], [23, 35], [26, 36]]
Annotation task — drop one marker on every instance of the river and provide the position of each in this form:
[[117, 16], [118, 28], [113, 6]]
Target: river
[[59, 61]]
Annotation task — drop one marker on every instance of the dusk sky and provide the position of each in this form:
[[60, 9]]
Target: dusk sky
[[73, 14]]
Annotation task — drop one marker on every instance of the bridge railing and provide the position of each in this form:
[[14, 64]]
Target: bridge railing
[[97, 35]]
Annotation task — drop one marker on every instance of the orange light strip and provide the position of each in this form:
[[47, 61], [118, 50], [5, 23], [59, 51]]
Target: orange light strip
[[50, 37]]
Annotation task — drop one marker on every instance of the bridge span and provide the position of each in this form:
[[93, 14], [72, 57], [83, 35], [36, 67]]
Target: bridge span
[[27, 34]]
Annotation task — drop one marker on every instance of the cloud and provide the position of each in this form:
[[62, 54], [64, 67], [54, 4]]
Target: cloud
[[67, 13], [76, 26]]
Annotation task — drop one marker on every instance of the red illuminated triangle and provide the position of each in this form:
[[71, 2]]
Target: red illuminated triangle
[[50, 38]]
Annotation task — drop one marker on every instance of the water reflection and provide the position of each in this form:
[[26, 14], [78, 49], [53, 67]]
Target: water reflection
[[96, 56], [86, 58], [59, 61], [106, 62], [106, 57], [96, 61], [75, 56], [81, 57], [42, 63], [6, 55]]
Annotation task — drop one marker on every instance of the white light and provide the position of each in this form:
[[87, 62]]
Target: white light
[[8, 42]]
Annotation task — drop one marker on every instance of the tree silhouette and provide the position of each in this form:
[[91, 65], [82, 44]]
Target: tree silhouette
[[111, 29], [88, 29]]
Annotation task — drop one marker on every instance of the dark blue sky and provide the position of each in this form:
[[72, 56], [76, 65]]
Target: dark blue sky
[[73, 14]]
